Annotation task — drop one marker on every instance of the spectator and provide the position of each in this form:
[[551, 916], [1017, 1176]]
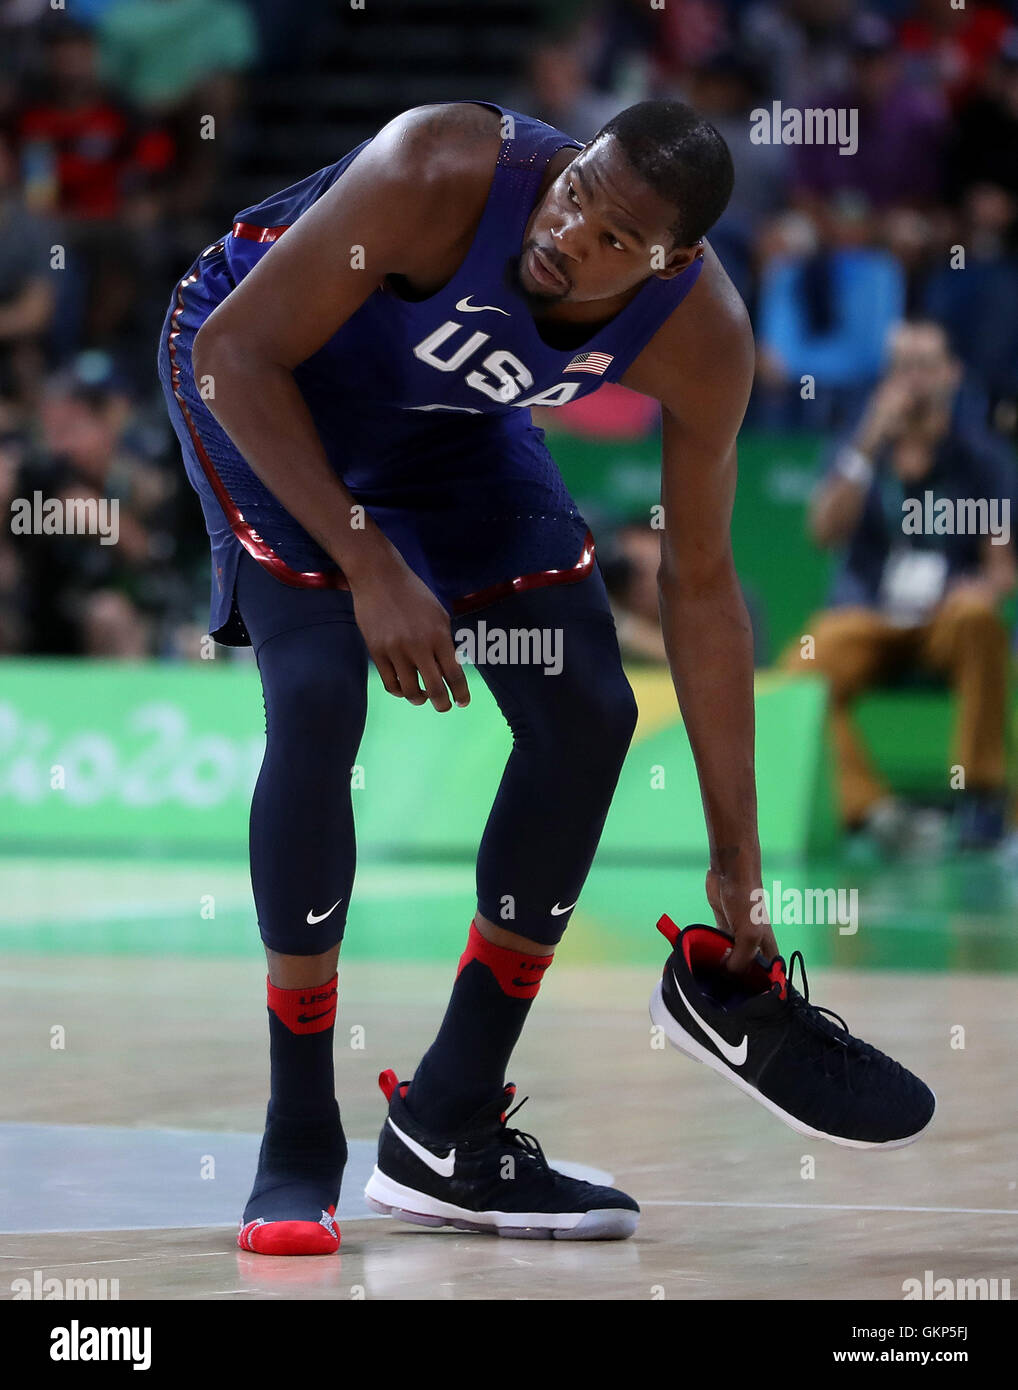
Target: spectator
[[985, 151], [644, 50], [902, 131], [630, 566], [181, 61], [161, 53], [977, 302], [558, 92], [26, 286], [950, 45], [85, 159], [915, 600], [85, 597], [801, 44], [21, 30], [827, 301], [88, 154], [725, 89]]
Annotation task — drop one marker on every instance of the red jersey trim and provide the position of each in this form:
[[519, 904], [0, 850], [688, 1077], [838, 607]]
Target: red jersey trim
[[247, 231], [249, 538], [540, 580]]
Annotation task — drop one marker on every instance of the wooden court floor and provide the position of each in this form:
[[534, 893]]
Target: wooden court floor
[[735, 1205]]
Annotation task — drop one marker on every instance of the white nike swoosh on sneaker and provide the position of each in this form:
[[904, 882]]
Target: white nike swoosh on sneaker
[[735, 1055], [442, 1166], [558, 911], [312, 919], [464, 306]]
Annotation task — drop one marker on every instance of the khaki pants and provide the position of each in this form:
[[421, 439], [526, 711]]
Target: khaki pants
[[857, 649]]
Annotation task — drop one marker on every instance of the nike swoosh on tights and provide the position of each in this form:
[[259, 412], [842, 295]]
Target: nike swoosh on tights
[[734, 1054], [444, 1167], [558, 911], [312, 919]]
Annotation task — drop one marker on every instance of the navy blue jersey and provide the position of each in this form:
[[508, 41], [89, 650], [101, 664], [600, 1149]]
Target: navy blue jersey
[[423, 406]]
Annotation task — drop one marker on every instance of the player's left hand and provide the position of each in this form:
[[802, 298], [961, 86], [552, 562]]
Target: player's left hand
[[740, 909]]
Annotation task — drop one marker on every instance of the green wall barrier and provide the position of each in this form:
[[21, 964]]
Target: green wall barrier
[[100, 756], [785, 576]]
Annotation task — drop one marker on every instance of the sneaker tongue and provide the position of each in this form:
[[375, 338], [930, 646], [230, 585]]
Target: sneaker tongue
[[493, 1113], [777, 976], [508, 1096]]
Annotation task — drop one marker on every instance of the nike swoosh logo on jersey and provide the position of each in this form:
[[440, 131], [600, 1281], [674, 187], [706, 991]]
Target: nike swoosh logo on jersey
[[734, 1054], [558, 911], [444, 1167], [463, 306], [312, 919]]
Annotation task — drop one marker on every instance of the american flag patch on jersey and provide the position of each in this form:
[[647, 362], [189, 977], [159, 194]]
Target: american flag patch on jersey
[[595, 362]]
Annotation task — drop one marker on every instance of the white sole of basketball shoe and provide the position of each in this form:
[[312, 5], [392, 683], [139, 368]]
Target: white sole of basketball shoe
[[391, 1198], [685, 1042]]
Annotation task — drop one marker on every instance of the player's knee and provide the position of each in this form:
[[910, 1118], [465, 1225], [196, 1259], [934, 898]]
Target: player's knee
[[320, 695], [620, 713], [600, 720]]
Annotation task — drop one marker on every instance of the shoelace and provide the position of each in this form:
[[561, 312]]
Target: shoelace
[[527, 1142], [849, 1048], [810, 1014], [803, 1001]]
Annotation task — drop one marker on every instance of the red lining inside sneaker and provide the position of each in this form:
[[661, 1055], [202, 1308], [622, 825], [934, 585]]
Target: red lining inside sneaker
[[704, 948]]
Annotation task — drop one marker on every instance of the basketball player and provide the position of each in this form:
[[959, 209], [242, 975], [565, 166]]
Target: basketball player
[[350, 373]]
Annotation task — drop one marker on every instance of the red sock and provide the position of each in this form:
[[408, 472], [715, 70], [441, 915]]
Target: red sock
[[518, 974], [464, 1068], [308, 1010]]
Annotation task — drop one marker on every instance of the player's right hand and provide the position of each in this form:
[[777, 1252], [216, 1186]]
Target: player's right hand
[[409, 637]]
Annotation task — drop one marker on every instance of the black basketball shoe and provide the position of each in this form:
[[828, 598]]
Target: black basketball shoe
[[486, 1177], [772, 1043]]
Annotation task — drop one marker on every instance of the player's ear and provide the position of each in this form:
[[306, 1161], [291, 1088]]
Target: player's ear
[[667, 264]]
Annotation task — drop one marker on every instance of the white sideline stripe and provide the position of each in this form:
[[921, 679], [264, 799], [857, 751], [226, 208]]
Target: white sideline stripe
[[373, 889], [830, 1206]]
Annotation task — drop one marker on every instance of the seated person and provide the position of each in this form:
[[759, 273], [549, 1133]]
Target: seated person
[[920, 507]]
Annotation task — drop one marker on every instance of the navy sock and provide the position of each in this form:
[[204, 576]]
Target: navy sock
[[465, 1066], [303, 1151]]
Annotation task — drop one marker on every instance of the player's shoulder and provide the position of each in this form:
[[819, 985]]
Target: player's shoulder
[[708, 336], [446, 143], [714, 316]]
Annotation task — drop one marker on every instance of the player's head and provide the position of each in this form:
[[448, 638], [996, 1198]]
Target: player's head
[[635, 202]]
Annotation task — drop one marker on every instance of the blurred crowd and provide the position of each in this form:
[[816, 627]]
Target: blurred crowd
[[107, 165], [828, 250], [110, 182]]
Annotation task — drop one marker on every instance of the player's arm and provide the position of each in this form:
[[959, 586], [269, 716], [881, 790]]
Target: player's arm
[[700, 367], [398, 209]]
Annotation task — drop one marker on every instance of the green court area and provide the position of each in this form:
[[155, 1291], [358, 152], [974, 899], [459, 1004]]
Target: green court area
[[954, 915]]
